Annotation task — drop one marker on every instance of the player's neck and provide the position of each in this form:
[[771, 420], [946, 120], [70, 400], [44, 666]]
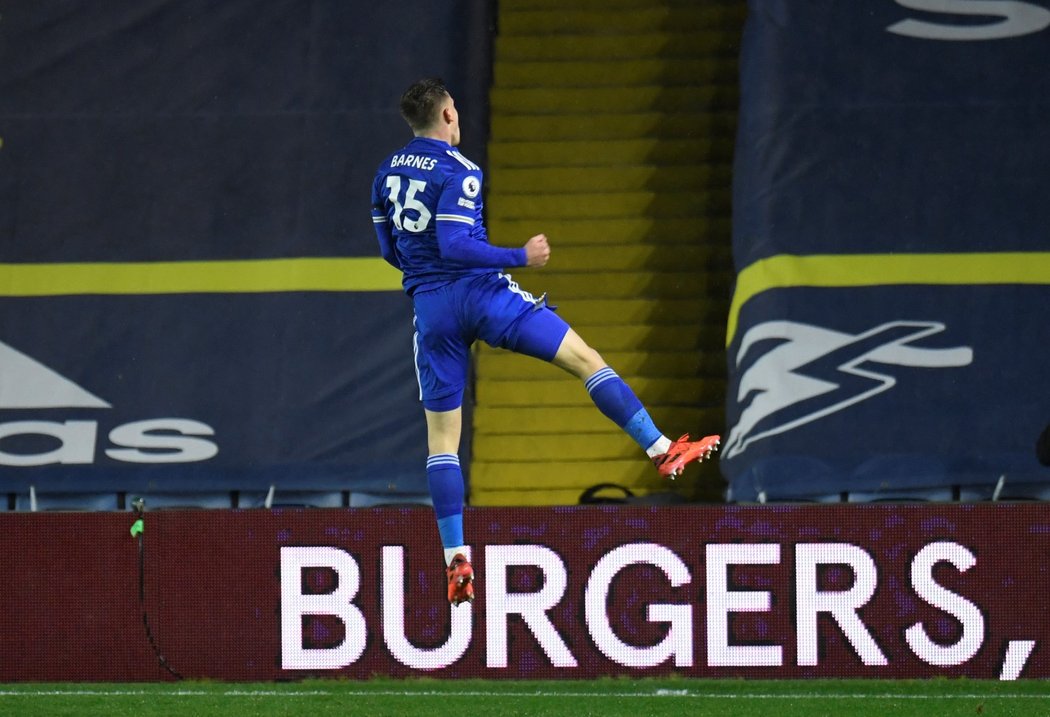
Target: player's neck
[[438, 134]]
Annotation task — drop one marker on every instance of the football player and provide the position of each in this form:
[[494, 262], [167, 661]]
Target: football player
[[427, 212]]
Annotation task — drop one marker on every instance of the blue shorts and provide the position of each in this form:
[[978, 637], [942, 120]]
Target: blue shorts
[[491, 307]]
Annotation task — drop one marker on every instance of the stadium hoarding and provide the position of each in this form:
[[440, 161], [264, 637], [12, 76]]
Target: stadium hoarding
[[887, 330], [211, 391], [191, 294], [758, 591]]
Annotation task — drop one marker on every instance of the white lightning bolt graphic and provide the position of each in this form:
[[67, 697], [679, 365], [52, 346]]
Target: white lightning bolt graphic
[[776, 384]]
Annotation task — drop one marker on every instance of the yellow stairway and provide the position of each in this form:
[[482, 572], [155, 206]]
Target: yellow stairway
[[612, 132]]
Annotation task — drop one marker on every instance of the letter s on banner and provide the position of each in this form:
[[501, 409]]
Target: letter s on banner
[[1018, 18], [169, 440], [679, 639], [968, 614], [294, 604]]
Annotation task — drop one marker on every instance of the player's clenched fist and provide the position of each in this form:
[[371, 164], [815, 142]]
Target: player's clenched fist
[[537, 250]]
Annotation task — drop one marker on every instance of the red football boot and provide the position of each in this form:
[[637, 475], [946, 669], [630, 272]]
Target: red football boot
[[684, 451], [460, 580]]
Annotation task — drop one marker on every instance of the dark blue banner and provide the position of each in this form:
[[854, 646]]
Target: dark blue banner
[[854, 138], [210, 392], [889, 326], [191, 297], [152, 130]]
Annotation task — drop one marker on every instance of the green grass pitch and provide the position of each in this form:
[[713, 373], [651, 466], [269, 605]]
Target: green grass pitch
[[477, 698]]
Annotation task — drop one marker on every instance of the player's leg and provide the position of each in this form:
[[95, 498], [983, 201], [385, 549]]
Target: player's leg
[[517, 321], [445, 478], [442, 358], [610, 393]]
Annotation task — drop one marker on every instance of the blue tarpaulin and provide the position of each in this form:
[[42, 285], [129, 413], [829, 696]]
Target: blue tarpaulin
[[190, 294], [891, 319]]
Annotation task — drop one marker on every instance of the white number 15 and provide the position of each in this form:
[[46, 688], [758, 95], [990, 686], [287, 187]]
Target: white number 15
[[393, 182]]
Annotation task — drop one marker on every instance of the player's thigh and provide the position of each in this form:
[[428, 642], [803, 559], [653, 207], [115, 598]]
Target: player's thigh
[[442, 354], [514, 319]]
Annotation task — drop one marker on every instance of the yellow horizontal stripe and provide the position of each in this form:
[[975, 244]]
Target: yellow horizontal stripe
[[199, 277], [787, 271]]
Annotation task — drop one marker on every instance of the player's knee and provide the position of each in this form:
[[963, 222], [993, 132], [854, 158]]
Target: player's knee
[[592, 361], [579, 359]]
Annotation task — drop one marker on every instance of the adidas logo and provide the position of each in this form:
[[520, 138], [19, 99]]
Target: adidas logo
[[27, 384]]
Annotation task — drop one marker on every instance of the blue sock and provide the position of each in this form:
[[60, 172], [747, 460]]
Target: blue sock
[[617, 401], [446, 490]]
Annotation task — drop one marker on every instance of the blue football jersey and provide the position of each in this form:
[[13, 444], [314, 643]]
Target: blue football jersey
[[427, 204]]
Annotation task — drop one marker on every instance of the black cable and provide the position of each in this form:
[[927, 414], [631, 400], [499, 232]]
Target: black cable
[[137, 529]]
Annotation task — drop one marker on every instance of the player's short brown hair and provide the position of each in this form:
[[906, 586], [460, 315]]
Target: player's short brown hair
[[420, 102]]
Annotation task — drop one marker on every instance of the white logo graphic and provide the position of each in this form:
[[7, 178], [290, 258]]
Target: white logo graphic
[[1012, 19], [471, 187], [25, 383], [814, 372]]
